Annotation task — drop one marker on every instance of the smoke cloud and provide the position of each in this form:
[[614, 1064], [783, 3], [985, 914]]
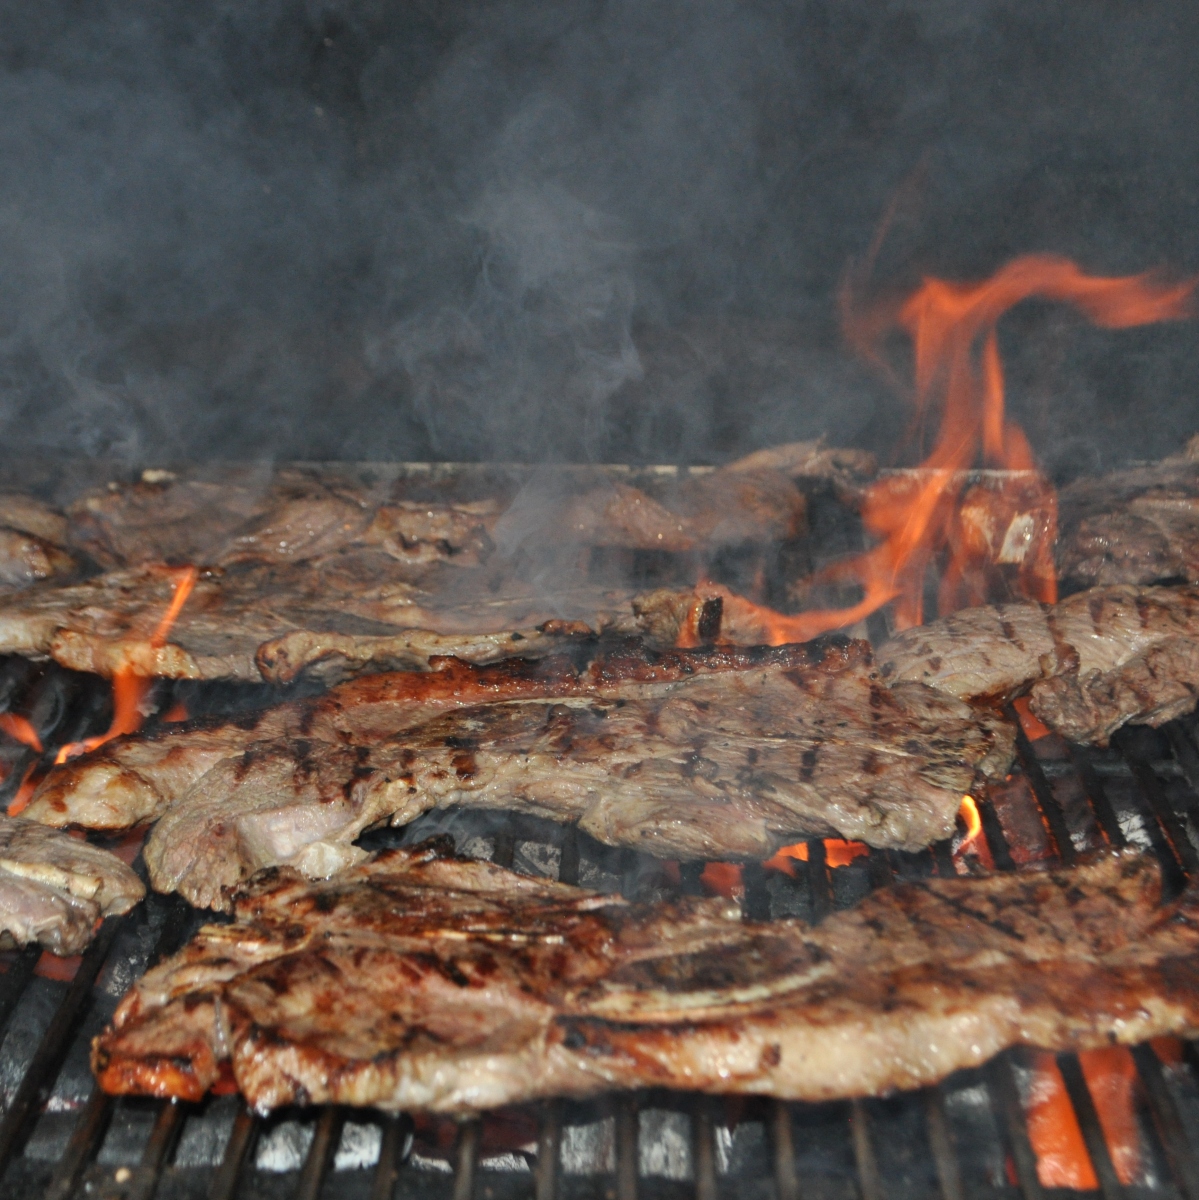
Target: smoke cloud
[[581, 230]]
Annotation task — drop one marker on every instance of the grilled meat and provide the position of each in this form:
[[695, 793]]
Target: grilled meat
[[331, 617], [32, 540], [423, 982], [54, 888], [692, 757], [1135, 526], [1095, 661], [722, 508]]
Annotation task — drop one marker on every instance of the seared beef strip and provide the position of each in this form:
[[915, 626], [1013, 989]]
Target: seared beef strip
[[332, 617], [54, 888], [1135, 526], [728, 757], [32, 540], [423, 982], [1095, 661]]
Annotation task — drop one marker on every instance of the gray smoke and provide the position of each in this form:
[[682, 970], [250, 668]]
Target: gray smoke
[[571, 230]]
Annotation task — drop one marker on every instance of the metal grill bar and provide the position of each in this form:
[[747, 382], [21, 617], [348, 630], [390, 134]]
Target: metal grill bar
[[1088, 1122]]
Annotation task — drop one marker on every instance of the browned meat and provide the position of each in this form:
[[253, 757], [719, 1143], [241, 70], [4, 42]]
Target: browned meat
[[134, 779], [54, 888], [1135, 526], [1096, 661], [422, 982], [729, 764], [32, 540], [811, 460], [332, 617], [263, 515], [720, 508]]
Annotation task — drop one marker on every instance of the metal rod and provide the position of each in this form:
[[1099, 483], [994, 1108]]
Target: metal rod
[[1088, 1123], [628, 1148], [505, 848], [1177, 843], [320, 1153], [1001, 854], [703, 1150], [1051, 810], [786, 1179], [237, 1152], [940, 1140], [1101, 805], [466, 1159], [869, 1182], [943, 857], [756, 904], [52, 1049], [15, 979], [397, 1134], [820, 889], [1185, 751], [549, 1152], [1182, 1160], [880, 869], [86, 1136], [568, 864], [1002, 1080], [167, 1127]]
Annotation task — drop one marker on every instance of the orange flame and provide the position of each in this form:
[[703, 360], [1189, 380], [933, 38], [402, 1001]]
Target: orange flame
[[1062, 1158], [129, 687], [958, 371], [19, 729], [968, 811]]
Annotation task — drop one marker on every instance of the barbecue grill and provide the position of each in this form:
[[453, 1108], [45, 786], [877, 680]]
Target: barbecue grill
[[60, 1137]]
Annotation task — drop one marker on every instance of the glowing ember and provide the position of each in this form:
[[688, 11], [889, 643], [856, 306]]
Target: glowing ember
[[958, 372], [1034, 728], [1062, 1159], [722, 879], [837, 853], [20, 730], [177, 712], [129, 688]]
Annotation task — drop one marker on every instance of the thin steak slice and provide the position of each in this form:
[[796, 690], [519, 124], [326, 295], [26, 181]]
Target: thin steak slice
[[33, 538], [419, 981], [54, 888], [727, 765], [691, 754], [330, 617], [1095, 661], [1135, 526]]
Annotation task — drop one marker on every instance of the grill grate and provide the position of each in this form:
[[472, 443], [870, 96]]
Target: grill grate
[[967, 1137]]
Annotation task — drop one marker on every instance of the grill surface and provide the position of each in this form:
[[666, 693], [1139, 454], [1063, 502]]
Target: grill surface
[[59, 1137]]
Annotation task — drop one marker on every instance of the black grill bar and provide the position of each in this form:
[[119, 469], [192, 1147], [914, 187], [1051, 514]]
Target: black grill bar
[[1180, 851], [949, 1171], [397, 1137], [246, 1127], [703, 1149], [168, 1125], [1088, 1123], [1013, 1127], [1182, 1160], [786, 1178], [628, 1148], [549, 1151], [320, 1153], [85, 1140], [1042, 790], [14, 981], [466, 1159], [52, 1049], [869, 1181]]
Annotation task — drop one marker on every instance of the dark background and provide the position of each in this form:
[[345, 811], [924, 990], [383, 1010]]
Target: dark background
[[572, 230]]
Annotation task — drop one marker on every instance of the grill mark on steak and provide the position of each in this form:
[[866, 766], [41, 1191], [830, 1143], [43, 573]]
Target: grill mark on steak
[[1093, 662], [426, 982], [54, 889]]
